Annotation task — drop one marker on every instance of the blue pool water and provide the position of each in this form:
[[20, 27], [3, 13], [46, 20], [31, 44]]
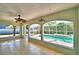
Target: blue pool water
[[59, 38]]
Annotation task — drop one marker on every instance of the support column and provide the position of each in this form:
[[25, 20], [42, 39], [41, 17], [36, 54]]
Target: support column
[[66, 29], [41, 31], [24, 30], [14, 29], [78, 30], [56, 28], [75, 37], [76, 34], [28, 33], [21, 29]]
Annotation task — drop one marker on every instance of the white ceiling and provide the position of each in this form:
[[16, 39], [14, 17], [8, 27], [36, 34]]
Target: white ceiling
[[30, 10]]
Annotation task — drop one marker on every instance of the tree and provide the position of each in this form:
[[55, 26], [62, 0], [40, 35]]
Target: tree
[[61, 28]]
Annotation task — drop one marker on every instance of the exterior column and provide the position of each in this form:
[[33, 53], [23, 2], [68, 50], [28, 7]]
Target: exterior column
[[66, 29], [56, 27], [78, 30], [27, 26], [21, 28], [41, 31], [49, 29], [14, 29], [28, 32], [24, 30], [75, 37], [76, 34]]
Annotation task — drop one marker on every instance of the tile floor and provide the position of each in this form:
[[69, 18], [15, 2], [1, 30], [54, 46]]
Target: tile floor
[[23, 47]]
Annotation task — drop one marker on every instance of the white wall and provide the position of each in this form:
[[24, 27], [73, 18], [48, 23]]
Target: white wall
[[68, 15]]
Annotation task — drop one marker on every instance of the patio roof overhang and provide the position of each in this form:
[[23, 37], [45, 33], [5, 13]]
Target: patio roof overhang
[[29, 10]]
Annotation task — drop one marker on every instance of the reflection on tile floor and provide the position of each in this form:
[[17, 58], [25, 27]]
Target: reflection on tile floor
[[23, 47]]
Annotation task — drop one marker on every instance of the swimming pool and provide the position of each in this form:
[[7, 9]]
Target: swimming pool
[[59, 38]]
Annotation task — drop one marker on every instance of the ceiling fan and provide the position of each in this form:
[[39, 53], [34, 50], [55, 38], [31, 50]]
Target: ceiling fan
[[20, 20]]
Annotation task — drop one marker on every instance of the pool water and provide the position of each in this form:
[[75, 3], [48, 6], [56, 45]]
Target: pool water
[[59, 38]]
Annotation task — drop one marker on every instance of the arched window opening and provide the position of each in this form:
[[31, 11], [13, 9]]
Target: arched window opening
[[8, 30], [35, 31], [59, 32]]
